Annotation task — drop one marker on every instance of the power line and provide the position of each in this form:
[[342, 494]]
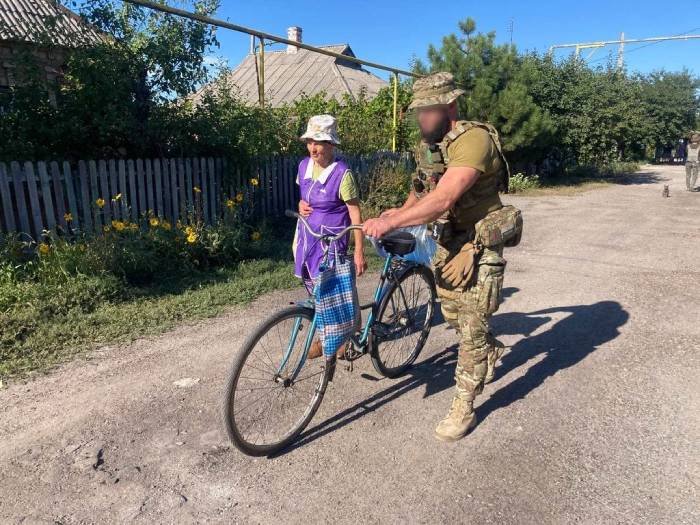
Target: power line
[[646, 45]]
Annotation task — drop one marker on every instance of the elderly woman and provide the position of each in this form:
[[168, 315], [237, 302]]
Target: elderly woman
[[329, 201]]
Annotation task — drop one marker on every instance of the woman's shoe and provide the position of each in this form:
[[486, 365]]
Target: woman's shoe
[[316, 351]]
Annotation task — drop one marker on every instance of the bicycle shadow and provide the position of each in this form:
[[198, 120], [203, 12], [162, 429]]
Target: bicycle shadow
[[565, 344], [436, 373]]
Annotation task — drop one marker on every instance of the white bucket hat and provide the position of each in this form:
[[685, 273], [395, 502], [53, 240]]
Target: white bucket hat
[[322, 128]]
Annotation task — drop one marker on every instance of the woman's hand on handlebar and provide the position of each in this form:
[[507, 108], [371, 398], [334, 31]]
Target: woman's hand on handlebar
[[305, 208]]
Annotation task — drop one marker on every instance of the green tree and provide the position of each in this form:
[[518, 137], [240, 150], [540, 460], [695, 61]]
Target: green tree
[[490, 74], [671, 105]]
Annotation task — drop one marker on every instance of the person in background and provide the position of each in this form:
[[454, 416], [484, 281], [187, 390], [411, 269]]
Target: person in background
[[329, 202], [692, 162]]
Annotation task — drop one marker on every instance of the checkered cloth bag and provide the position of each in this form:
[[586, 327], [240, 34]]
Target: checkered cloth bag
[[337, 304]]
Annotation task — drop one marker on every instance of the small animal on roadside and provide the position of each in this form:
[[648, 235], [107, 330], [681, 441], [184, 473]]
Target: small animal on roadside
[[666, 192]]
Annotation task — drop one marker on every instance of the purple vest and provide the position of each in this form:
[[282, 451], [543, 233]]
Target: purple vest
[[330, 215]]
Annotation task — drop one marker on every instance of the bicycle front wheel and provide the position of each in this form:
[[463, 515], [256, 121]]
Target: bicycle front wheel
[[403, 322], [273, 391]]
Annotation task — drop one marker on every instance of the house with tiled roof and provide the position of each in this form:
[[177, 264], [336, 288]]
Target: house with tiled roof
[[45, 29], [293, 72]]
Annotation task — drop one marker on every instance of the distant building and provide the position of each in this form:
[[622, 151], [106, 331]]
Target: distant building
[[293, 72], [44, 28]]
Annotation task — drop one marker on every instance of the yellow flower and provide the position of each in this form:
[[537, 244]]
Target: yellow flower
[[239, 197], [254, 182], [165, 225], [154, 221], [256, 236], [117, 197], [230, 204], [106, 229], [197, 190], [43, 248], [100, 202], [192, 237], [118, 225], [68, 217], [189, 230]]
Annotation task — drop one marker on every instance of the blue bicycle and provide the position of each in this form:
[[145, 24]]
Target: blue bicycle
[[274, 390]]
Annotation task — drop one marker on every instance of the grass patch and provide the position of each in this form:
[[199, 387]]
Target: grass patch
[[576, 180], [46, 318], [35, 340]]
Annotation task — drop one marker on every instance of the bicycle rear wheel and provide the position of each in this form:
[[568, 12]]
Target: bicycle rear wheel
[[403, 321], [273, 391]]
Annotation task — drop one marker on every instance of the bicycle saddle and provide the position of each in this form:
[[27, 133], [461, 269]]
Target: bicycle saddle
[[398, 242]]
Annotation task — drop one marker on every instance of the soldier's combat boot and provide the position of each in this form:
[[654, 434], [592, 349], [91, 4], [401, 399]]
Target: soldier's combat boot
[[491, 360], [458, 422]]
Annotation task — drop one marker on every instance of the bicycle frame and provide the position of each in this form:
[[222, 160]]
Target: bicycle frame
[[360, 341]]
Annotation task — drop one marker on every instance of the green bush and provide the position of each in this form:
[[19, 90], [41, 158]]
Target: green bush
[[384, 188], [521, 182]]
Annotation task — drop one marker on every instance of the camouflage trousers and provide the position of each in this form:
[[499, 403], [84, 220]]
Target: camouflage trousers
[[468, 308], [691, 174]]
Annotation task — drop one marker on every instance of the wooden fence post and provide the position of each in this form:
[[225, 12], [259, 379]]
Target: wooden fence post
[[72, 199], [6, 199]]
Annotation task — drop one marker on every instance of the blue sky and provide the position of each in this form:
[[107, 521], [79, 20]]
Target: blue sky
[[391, 32]]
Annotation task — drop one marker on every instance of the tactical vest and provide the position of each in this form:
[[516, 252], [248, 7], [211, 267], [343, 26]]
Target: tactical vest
[[432, 161]]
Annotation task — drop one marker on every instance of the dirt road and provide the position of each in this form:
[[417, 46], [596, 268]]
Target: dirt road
[[593, 416]]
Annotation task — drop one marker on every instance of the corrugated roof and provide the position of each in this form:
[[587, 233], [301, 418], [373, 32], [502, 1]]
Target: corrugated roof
[[43, 21], [290, 75]]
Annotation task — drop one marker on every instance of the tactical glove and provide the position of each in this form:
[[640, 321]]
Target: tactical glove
[[459, 269]]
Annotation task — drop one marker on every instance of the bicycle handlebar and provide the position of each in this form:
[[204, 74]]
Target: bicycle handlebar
[[327, 237]]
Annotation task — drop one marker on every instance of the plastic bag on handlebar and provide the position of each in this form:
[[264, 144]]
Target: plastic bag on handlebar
[[425, 245]]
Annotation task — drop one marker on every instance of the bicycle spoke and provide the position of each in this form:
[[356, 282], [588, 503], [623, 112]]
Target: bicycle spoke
[[403, 321], [264, 414]]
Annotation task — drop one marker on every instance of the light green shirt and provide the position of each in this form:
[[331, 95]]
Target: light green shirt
[[348, 186]]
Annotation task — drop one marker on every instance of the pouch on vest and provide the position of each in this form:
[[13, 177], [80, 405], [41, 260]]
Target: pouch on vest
[[504, 225]]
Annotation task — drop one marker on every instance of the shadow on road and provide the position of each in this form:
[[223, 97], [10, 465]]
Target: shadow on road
[[436, 373], [640, 177], [566, 343]]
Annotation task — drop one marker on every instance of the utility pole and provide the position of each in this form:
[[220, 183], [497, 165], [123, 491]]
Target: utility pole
[[621, 52], [584, 45], [510, 30]]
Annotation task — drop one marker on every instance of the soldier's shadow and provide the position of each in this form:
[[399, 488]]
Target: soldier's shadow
[[567, 342]]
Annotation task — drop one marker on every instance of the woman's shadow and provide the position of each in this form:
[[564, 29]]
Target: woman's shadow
[[567, 342]]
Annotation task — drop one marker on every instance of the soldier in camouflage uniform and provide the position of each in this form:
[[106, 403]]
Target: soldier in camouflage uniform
[[455, 191], [692, 163]]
